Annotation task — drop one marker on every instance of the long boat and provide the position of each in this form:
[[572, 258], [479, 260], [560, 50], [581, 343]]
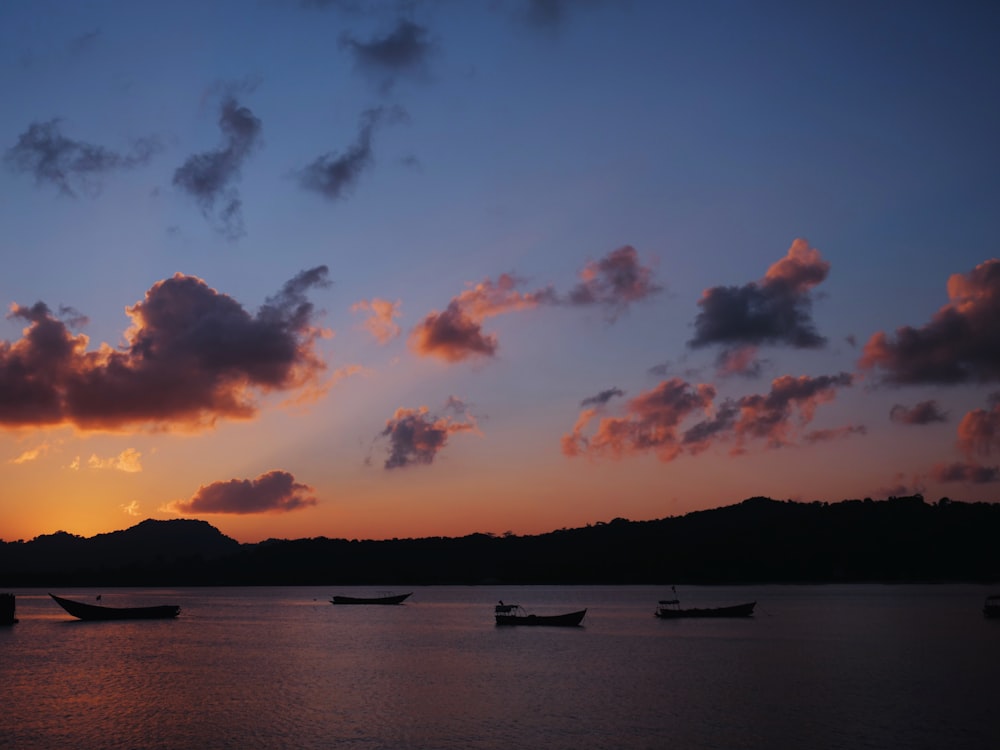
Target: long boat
[[84, 611], [514, 614], [670, 609], [390, 599]]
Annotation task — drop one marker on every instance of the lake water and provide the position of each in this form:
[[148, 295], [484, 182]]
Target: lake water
[[817, 667]]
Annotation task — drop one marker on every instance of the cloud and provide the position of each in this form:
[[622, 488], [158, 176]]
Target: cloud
[[741, 360], [273, 492], [551, 15], [925, 412], [650, 425], [979, 431], [616, 280], [774, 310], [335, 175], [210, 177], [69, 165], [32, 454], [835, 433], [129, 461], [770, 417], [653, 420], [404, 50], [970, 472], [416, 436], [191, 356], [602, 398], [132, 509], [381, 323], [958, 345], [456, 333]]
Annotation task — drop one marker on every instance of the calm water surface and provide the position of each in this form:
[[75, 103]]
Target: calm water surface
[[817, 667]]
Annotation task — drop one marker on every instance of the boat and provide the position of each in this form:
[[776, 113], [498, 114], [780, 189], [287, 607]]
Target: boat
[[84, 611], [8, 606], [670, 609], [991, 607], [514, 614], [388, 599]]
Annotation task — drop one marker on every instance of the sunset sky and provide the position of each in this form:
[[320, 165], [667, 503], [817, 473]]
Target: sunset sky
[[374, 269]]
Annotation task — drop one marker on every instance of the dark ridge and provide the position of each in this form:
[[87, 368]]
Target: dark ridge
[[760, 540]]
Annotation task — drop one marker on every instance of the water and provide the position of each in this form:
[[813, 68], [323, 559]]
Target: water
[[817, 667]]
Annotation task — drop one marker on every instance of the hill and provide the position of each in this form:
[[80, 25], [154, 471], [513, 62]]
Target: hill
[[758, 540]]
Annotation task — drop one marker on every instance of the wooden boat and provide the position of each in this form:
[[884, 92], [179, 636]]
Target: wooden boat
[[85, 611], [389, 599], [991, 607], [670, 609], [514, 614]]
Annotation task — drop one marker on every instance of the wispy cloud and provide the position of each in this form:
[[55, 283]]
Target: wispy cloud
[[334, 175], [210, 177], [71, 165], [129, 461], [925, 412], [403, 51], [381, 320]]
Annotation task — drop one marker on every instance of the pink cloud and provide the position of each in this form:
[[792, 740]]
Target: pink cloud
[[456, 333], [381, 321], [958, 345]]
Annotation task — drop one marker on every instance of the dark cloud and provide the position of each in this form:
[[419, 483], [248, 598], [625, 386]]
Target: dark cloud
[[960, 344], [273, 492], [192, 356], [836, 433], [403, 50], [335, 175], [53, 159], [775, 310], [456, 333], [602, 398], [972, 473], [416, 436], [616, 280], [925, 412], [653, 420], [210, 177]]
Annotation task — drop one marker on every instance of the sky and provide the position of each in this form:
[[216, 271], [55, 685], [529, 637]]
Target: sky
[[386, 268]]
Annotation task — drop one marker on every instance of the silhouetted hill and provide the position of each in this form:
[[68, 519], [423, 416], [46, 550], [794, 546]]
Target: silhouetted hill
[[148, 549], [758, 540]]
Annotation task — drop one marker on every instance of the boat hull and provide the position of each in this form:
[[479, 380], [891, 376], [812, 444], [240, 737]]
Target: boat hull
[[394, 599], [84, 611], [737, 610], [567, 620]]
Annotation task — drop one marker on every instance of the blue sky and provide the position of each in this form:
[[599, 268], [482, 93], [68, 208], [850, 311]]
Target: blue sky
[[570, 214]]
